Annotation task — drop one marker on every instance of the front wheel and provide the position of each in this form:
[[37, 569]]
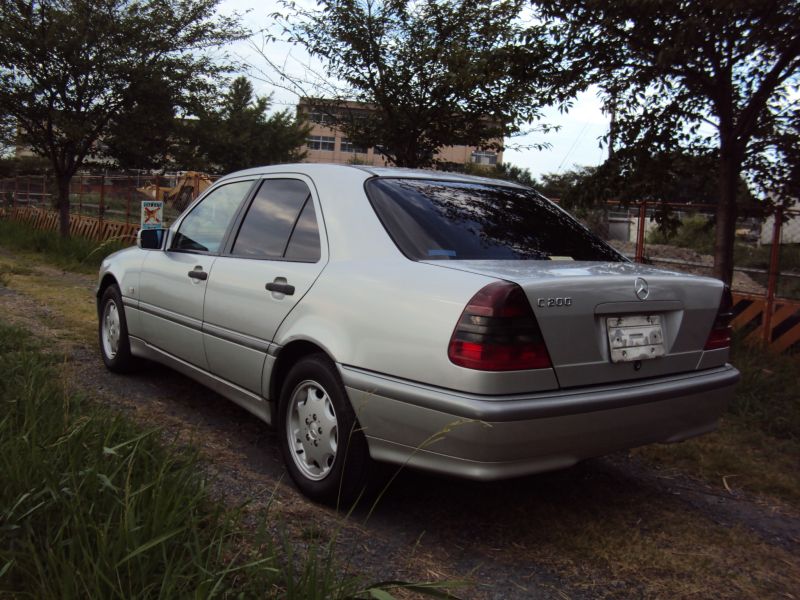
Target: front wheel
[[323, 447], [115, 346]]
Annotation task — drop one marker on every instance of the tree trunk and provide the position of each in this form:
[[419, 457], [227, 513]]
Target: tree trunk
[[729, 167], [63, 182]]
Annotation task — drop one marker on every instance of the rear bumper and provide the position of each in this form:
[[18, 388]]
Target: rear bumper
[[495, 437]]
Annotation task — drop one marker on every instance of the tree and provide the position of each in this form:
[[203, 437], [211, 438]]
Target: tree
[[777, 165], [569, 187], [663, 180], [513, 173], [8, 134], [149, 132], [501, 170], [69, 68], [426, 74], [690, 75], [238, 133]]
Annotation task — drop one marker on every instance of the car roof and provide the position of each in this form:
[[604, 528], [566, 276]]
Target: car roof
[[368, 170]]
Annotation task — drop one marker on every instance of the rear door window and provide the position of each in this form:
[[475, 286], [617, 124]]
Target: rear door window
[[280, 223], [442, 220]]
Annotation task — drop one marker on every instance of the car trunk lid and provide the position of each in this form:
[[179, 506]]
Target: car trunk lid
[[597, 330]]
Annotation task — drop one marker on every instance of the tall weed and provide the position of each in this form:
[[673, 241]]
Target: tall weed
[[73, 253], [92, 506]]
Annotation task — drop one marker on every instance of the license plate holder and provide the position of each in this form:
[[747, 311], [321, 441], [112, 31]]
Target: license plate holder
[[635, 337]]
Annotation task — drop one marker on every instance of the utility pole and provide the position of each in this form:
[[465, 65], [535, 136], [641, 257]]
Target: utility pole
[[612, 127]]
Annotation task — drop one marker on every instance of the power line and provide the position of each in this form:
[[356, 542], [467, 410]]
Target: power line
[[571, 148]]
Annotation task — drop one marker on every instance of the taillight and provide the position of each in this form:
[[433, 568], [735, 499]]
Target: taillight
[[720, 336], [498, 332]]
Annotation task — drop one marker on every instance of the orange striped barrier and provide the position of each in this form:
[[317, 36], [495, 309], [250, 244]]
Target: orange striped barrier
[[750, 315], [92, 228]]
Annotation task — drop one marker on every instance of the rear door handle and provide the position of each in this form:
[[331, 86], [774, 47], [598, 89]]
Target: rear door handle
[[198, 274], [281, 288]]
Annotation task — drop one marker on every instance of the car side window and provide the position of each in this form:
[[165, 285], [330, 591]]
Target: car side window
[[280, 223], [304, 243], [203, 229]]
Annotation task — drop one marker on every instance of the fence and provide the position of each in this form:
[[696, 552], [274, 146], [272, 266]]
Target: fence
[[108, 198], [84, 226], [766, 281]]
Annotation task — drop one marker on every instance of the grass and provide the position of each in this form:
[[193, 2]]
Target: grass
[[649, 546], [73, 253], [93, 506], [695, 232], [72, 314], [757, 447]]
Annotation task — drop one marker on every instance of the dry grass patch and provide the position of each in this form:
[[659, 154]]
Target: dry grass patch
[[619, 539], [757, 448], [736, 459], [67, 297]]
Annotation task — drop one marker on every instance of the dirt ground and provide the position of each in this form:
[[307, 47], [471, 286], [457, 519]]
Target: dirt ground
[[611, 527]]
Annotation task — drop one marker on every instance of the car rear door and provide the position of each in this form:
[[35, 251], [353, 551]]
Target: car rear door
[[275, 253], [173, 281]]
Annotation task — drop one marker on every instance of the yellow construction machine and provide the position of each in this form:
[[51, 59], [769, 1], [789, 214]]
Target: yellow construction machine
[[187, 187]]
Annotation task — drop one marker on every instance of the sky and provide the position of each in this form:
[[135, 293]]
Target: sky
[[574, 144]]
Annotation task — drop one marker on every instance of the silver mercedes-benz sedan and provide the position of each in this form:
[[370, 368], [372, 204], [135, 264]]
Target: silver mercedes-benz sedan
[[457, 324]]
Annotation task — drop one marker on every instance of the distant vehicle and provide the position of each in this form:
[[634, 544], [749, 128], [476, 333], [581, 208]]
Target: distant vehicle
[[457, 324]]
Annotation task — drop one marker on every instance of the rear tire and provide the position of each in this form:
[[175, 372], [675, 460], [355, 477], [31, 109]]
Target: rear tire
[[323, 447], [115, 346]]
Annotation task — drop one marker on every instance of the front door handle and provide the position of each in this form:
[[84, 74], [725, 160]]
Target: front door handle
[[280, 287], [198, 274]]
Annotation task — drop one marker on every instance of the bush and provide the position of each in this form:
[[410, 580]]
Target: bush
[[695, 232]]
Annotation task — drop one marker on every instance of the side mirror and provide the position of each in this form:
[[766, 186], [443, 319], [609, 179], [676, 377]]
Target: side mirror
[[152, 239]]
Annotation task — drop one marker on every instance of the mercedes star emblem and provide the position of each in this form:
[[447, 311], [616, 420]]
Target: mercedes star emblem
[[641, 289]]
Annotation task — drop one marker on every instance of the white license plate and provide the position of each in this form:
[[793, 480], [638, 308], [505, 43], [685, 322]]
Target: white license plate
[[632, 338]]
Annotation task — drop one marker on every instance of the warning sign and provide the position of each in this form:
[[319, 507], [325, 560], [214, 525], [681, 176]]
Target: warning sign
[[152, 214]]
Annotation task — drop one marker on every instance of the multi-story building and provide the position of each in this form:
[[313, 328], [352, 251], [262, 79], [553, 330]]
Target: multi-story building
[[327, 144]]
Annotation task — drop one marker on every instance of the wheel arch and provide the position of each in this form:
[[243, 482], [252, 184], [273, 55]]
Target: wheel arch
[[290, 355], [106, 282]]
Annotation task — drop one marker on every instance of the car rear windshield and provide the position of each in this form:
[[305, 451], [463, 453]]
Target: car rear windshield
[[442, 220]]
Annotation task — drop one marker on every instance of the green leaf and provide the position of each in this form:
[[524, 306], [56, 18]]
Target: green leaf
[[149, 545], [6, 567]]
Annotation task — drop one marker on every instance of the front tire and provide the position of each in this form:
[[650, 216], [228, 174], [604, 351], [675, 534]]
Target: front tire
[[322, 445], [115, 346]]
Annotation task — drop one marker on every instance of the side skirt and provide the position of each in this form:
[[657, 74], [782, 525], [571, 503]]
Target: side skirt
[[249, 401]]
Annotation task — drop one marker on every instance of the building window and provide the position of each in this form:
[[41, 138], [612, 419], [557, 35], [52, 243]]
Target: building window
[[348, 146], [321, 142], [484, 158], [322, 118]]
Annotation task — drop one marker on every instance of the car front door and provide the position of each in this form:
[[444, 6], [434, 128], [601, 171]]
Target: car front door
[[273, 257], [173, 281]]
